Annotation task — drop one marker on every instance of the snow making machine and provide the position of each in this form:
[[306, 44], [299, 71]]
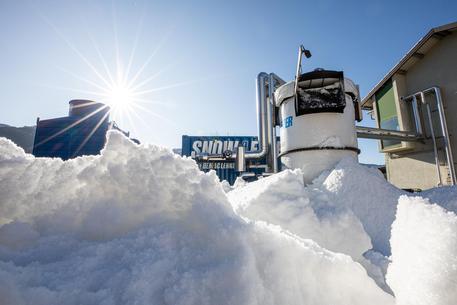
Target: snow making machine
[[315, 114]]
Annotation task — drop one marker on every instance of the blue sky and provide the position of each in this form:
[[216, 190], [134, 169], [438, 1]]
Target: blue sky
[[203, 56]]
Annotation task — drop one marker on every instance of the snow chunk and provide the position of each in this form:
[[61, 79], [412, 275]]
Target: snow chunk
[[367, 194], [424, 247], [283, 200]]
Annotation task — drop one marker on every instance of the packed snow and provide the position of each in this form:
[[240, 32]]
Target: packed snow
[[424, 253], [282, 200], [141, 225]]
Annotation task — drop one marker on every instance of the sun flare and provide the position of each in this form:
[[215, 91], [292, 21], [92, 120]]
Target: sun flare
[[120, 97], [121, 85]]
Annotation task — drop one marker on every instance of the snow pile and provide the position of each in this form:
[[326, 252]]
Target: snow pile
[[282, 200], [366, 193], [351, 208], [140, 225], [424, 260], [348, 210], [446, 197]]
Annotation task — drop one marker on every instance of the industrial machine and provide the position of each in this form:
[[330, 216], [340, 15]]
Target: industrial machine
[[317, 121], [315, 114]]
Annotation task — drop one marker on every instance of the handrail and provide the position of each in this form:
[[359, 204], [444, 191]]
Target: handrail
[[447, 146]]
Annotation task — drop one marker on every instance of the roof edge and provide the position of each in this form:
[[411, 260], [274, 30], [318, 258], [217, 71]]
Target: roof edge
[[416, 46]]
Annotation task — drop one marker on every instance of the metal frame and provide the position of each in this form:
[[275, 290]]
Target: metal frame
[[435, 149], [386, 134], [447, 145]]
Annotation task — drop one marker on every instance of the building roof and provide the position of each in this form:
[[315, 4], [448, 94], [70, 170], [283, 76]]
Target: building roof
[[417, 52]]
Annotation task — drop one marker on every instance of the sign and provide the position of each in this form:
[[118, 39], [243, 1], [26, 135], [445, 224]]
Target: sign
[[210, 145]]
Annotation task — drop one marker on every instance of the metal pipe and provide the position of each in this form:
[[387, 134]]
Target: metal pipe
[[240, 162], [447, 144], [264, 123], [275, 153], [265, 126], [443, 124], [417, 120], [278, 81], [272, 128], [298, 69], [386, 134], [269, 126], [432, 133], [262, 119], [273, 83], [418, 124]]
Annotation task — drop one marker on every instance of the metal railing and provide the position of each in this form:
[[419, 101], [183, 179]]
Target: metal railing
[[444, 130]]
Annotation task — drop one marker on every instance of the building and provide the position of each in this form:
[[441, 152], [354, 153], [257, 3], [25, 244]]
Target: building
[[408, 99], [82, 132]]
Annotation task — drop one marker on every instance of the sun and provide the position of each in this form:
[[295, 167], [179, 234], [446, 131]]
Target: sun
[[120, 97], [121, 85]]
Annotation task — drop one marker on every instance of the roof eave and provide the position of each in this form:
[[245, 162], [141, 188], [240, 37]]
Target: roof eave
[[367, 100]]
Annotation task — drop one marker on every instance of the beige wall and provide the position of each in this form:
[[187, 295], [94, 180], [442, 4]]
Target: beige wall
[[416, 168]]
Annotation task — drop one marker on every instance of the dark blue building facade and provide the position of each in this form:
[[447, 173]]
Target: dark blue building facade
[[82, 132]]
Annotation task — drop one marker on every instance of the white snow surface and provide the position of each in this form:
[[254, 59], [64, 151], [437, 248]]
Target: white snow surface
[[141, 225], [282, 200], [349, 209], [424, 254]]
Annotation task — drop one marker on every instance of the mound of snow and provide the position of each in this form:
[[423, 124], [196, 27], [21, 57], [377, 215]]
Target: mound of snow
[[141, 225], [445, 197], [348, 210], [337, 210], [367, 194], [424, 260], [283, 200]]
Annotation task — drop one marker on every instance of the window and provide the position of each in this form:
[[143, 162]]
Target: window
[[387, 113]]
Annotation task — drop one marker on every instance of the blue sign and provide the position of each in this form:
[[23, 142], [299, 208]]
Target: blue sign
[[288, 122], [201, 145]]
